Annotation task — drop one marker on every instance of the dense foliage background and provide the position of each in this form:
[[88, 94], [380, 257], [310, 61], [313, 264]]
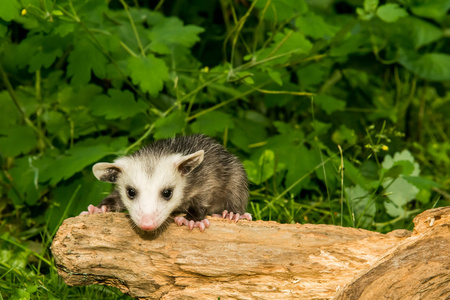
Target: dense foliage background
[[338, 109]]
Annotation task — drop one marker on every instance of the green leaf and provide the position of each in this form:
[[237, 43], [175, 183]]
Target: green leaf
[[355, 44], [391, 12], [84, 59], [370, 5], [404, 160], [281, 10], [212, 123], [24, 178], [81, 155], [329, 104], [8, 109], [400, 192], [419, 31], [314, 26], [57, 125], [434, 9], [169, 126], [429, 66], [9, 9], [3, 30], [286, 44], [46, 53], [170, 32], [261, 170], [149, 72], [116, 105], [276, 76], [17, 140], [363, 207]]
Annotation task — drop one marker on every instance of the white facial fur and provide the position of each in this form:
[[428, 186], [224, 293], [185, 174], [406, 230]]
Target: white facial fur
[[148, 209]]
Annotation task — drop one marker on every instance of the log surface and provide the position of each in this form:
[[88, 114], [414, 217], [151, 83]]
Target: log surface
[[250, 260]]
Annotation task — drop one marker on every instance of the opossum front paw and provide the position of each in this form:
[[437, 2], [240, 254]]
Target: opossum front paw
[[202, 225], [232, 216], [92, 210]]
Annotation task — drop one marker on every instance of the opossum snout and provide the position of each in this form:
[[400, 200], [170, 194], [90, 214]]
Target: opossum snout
[[148, 222]]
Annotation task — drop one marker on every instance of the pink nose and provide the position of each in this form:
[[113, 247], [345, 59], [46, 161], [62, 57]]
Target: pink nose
[[148, 223]]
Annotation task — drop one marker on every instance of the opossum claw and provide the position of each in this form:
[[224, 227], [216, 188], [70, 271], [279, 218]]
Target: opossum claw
[[201, 225], [224, 214], [246, 216], [92, 210], [232, 216]]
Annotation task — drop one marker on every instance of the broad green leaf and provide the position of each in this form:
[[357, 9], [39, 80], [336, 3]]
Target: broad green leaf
[[314, 26], [169, 126], [355, 44], [245, 133], [281, 10], [285, 44], [149, 73], [24, 178], [84, 59], [46, 53], [17, 140], [370, 5], [399, 159], [252, 170], [8, 109], [429, 66], [391, 12], [171, 32], [400, 192], [266, 165], [57, 125], [276, 76], [362, 204], [434, 9], [419, 31], [312, 75], [116, 105], [299, 161], [329, 104], [421, 182], [213, 123], [80, 156], [3, 30], [261, 170], [9, 9]]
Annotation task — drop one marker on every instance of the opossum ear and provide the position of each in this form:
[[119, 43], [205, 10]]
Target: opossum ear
[[106, 172], [187, 163]]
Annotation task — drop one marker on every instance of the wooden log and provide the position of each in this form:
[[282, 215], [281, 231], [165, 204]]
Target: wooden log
[[255, 260]]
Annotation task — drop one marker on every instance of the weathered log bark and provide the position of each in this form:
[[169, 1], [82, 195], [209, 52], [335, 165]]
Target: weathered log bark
[[257, 260]]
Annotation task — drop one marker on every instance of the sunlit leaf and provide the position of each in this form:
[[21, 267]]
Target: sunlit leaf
[[430, 66], [391, 12], [149, 73]]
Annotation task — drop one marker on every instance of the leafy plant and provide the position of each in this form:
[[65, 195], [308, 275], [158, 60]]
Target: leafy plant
[[338, 109]]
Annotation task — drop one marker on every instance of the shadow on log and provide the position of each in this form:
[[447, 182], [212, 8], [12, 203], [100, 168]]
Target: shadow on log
[[258, 260]]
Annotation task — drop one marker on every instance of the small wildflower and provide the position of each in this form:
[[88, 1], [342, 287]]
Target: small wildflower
[[23, 12], [385, 148], [205, 69]]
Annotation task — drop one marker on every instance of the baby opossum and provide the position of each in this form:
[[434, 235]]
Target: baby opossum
[[192, 175]]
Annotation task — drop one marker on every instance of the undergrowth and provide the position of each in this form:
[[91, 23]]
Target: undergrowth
[[337, 109]]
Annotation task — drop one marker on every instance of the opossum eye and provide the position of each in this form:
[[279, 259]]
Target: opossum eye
[[131, 193], [166, 194]]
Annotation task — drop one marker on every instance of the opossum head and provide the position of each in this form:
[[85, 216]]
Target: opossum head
[[151, 188]]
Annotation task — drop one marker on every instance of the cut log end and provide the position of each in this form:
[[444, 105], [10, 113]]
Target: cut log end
[[248, 260]]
